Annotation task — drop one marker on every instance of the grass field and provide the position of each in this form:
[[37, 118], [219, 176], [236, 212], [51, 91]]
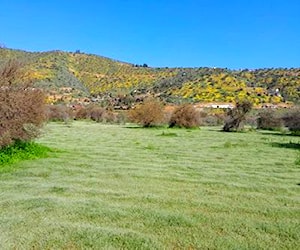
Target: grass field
[[119, 187]]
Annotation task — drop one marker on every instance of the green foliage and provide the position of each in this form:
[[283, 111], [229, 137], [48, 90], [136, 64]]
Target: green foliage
[[21, 151]]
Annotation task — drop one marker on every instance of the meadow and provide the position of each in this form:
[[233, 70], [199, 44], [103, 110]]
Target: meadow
[[124, 187]]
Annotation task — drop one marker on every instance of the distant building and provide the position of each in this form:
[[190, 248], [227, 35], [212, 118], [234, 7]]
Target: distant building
[[214, 105], [221, 106]]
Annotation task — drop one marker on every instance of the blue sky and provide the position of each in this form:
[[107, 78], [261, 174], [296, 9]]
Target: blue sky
[[186, 33]]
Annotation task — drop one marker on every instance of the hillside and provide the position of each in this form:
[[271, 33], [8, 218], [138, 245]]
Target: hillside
[[71, 77]]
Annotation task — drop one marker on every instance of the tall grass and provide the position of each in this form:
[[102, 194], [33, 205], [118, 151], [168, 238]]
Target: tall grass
[[118, 187]]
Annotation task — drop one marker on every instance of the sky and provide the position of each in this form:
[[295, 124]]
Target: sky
[[235, 34]]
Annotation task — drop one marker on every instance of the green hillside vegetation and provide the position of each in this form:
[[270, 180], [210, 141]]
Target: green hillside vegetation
[[90, 75]]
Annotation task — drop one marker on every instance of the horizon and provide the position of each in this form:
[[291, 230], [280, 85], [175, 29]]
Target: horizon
[[140, 65], [192, 34]]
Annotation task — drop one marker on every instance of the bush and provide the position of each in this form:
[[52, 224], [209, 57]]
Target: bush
[[269, 120], [292, 120], [211, 118], [251, 119], [82, 113], [185, 116], [236, 116], [98, 114], [59, 112], [149, 113], [111, 117], [22, 107], [121, 117]]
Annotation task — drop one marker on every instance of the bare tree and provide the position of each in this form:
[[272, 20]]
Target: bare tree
[[236, 116], [22, 107]]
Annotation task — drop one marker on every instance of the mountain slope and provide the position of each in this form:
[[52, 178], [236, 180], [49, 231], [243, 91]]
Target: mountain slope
[[84, 75]]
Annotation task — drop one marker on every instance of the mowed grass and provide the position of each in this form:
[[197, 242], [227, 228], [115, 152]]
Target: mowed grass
[[119, 187]]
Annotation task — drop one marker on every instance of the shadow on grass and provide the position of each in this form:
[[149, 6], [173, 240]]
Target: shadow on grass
[[279, 133], [168, 134], [144, 128], [292, 145], [134, 127]]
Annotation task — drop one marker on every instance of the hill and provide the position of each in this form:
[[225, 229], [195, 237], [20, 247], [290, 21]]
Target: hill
[[75, 77]]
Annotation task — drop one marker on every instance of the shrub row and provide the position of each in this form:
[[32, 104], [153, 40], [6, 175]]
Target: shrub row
[[152, 112], [96, 113]]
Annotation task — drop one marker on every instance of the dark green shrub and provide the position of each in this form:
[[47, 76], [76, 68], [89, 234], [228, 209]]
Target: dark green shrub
[[185, 116], [149, 113]]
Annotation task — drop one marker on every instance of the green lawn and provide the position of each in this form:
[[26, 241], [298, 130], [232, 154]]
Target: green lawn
[[118, 187]]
